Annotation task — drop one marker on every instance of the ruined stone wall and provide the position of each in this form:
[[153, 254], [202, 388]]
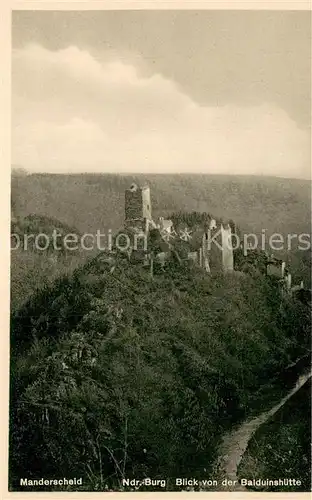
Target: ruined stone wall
[[217, 249], [227, 252], [214, 249]]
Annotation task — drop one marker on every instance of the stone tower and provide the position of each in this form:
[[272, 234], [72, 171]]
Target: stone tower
[[138, 209]]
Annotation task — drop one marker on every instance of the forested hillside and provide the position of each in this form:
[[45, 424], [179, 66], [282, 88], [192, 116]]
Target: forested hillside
[[32, 268], [118, 372], [92, 201], [116, 375]]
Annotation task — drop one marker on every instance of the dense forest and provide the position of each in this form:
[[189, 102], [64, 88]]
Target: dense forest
[[96, 201], [116, 374]]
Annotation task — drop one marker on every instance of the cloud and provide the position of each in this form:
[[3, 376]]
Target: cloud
[[72, 112]]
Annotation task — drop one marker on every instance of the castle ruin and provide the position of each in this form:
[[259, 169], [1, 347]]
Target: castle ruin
[[138, 217]]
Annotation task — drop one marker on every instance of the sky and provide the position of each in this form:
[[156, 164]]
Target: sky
[[162, 91]]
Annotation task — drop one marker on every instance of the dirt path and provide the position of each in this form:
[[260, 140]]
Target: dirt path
[[235, 443]]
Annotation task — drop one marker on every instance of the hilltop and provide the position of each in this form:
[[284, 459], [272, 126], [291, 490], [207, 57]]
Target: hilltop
[[127, 373], [127, 377], [88, 202]]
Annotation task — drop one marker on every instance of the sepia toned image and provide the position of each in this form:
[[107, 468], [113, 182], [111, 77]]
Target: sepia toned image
[[160, 334]]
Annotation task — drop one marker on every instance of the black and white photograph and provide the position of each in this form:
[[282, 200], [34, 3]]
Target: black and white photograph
[[160, 245]]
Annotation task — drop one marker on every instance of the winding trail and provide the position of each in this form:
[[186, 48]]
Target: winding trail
[[234, 444]]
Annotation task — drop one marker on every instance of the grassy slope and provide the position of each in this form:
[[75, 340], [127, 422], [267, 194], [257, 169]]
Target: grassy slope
[[281, 447]]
